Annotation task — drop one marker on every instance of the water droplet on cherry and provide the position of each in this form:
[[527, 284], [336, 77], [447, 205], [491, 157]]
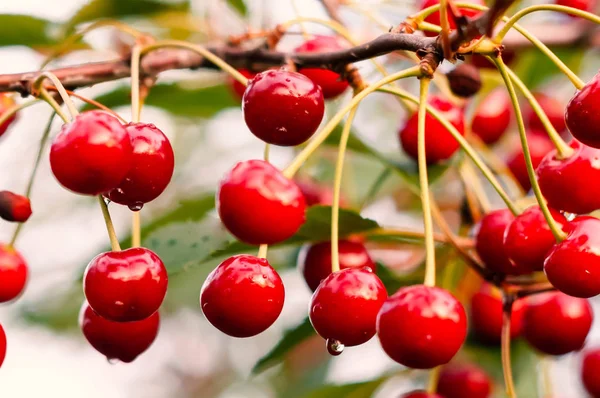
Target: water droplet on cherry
[[136, 206], [334, 347]]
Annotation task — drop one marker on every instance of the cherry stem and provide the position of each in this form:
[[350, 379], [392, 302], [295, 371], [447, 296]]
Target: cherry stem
[[466, 147], [45, 95], [434, 377], [93, 103], [505, 346], [262, 251], [337, 187], [201, 51], [562, 148], [114, 241], [61, 90], [266, 152], [545, 365], [322, 135], [7, 114], [559, 235], [305, 34], [424, 183], [445, 25], [136, 229], [136, 108]]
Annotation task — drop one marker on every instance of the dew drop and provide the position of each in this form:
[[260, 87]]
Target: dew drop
[[112, 361], [334, 347], [137, 206], [106, 200]]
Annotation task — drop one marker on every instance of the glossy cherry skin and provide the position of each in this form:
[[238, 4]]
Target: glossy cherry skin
[[6, 102], [421, 394], [2, 345], [486, 315], [123, 341], [330, 82], [464, 381], [528, 238], [489, 242], [314, 261], [258, 204], [590, 371], [439, 143], [435, 17], [238, 88], [243, 296], [151, 169], [573, 265], [421, 327], [582, 116], [345, 305], [539, 146], [13, 207], [99, 146], [552, 107], [13, 273], [557, 324], [566, 183], [492, 117], [127, 285], [283, 108]]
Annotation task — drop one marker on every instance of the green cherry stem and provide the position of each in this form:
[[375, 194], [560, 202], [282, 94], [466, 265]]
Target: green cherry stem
[[434, 378], [466, 147], [136, 229], [505, 346], [114, 241], [45, 95], [60, 88], [136, 108], [556, 231], [16, 108], [424, 183], [262, 251]]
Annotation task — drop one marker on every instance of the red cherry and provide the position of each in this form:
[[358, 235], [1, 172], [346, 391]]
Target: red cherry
[[589, 372], [118, 340], [316, 194], [2, 345], [330, 82], [582, 116], [551, 107], [539, 146], [573, 265], [480, 61], [528, 238], [92, 154], [236, 87], [258, 204], [439, 143], [489, 242], [486, 315], [566, 183], [421, 327], [127, 285], [243, 296], [584, 5], [557, 324], [464, 381], [314, 261], [492, 116], [421, 394], [14, 207], [6, 101], [435, 17], [283, 108], [151, 169], [13, 273], [345, 305]]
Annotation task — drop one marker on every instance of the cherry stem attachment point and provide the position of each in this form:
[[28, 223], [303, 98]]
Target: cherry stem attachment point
[[37, 84], [136, 229], [114, 241], [505, 346]]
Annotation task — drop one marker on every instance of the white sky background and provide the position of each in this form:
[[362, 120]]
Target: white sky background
[[61, 236]]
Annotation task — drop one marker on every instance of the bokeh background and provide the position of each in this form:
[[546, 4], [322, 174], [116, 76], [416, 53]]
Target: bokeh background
[[48, 356]]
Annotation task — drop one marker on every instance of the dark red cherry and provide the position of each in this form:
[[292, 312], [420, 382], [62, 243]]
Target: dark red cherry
[[439, 143], [330, 82], [584, 5], [14, 207], [6, 102], [486, 315], [492, 116], [236, 87], [489, 242], [127, 285], [482, 62], [464, 381], [421, 394], [421, 327], [435, 17], [243, 296], [345, 305], [573, 265], [151, 169], [258, 204], [539, 146], [283, 108], [582, 116], [528, 238], [314, 261], [99, 145], [2, 345], [589, 371], [566, 183], [552, 107], [123, 341], [13, 273], [557, 324]]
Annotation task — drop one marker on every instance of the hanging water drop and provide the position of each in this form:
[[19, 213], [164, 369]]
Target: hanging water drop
[[112, 361], [334, 347], [137, 206], [106, 200]]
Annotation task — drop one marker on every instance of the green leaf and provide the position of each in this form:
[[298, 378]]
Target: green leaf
[[364, 389], [25, 30], [176, 99], [318, 224], [239, 6], [535, 68]]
